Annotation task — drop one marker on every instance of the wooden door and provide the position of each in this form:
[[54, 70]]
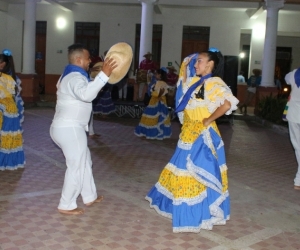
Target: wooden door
[[40, 52], [192, 46]]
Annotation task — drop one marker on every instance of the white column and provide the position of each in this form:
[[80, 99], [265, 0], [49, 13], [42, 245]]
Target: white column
[[146, 27], [29, 37], [269, 55], [256, 48]]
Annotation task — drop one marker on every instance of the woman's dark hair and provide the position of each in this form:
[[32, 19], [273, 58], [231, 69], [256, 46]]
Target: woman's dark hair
[[216, 56], [163, 74], [9, 67]]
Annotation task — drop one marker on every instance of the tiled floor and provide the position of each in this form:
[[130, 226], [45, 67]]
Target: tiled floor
[[265, 209]]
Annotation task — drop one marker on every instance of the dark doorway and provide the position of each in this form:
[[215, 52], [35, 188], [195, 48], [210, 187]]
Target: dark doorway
[[231, 72], [283, 62], [40, 53], [245, 61], [88, 34]]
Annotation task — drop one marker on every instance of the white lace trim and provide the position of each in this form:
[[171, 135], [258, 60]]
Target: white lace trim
[[2, 168], [212, 106], [207, 139], [220, 100], [180, 172], [8, 114], [217, 219], [155, 207], [180, 117], [177, 171], [178, 201], [214, 183], [14, 133], [153, 138], [8, 151], [157, 126], [223, 168], [221, 144], [164, 191], [183, 145]]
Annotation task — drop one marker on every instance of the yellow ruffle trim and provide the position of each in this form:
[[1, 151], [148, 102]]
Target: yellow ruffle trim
[[152, 121], [180, 186], [10, 105], [11, 141], [191, 129]]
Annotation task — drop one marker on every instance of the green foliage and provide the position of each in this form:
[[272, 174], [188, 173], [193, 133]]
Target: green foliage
[[271, 108]]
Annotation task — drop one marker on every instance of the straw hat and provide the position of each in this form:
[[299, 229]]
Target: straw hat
[[148, 54], [171, 68], [122, 54], [94, 71]]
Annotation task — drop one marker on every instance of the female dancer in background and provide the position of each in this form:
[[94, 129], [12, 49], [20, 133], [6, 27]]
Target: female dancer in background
[[11, 140], [7, 66], [155, 122]]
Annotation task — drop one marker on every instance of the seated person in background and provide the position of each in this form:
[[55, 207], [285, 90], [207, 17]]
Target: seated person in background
[[277, 83], [172, 77], [253, 82], [241, 78], [122, 87], [145, 66]]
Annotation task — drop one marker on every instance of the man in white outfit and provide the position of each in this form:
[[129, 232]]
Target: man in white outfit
[[68, 130], [293, 117]]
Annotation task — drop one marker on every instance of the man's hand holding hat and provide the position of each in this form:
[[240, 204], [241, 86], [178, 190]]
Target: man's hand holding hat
[[116, 63], [109, 65], [122, 54]]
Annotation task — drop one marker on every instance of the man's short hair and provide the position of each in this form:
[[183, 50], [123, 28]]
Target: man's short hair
[[75, 49]]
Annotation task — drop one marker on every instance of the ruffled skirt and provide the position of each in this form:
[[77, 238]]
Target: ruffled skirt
[[192, 189], [11, 140], [104, 104], [155, 121]]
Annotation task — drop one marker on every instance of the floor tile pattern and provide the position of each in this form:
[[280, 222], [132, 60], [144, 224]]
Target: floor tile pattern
[[265, 209]]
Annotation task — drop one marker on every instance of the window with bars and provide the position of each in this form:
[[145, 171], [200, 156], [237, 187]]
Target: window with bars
[[88, 34]]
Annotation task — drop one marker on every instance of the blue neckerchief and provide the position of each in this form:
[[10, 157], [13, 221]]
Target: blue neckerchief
[[187, 95], [297, 77], [73, 68]]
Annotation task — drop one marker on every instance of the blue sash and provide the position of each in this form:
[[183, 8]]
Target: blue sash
[[188, 94], [73, 68], [297, 77]]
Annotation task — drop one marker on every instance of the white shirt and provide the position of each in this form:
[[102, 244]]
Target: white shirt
[[240, 79], [293, 113], [74, 96]]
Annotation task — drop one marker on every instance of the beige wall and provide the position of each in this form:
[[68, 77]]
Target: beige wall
[[117, 23]]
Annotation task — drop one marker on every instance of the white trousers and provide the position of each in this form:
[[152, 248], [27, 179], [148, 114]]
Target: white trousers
[[78, 177], [91, 124], [294, 129], [141, 90], [123, 92]]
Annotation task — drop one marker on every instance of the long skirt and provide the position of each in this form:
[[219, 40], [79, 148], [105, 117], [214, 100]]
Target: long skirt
[[192, 189], [103, 104], [11, 140], [155, 122]]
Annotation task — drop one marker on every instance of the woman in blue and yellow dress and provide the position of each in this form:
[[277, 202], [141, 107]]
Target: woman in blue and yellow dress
[[155, 122], [11, 140], [7, 66], [192, 189]]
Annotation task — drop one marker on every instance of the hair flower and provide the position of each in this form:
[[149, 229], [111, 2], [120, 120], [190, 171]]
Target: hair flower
[[6, 52]]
